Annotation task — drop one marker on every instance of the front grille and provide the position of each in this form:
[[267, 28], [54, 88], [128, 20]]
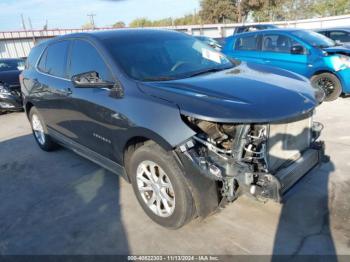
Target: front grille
[[286, 142]]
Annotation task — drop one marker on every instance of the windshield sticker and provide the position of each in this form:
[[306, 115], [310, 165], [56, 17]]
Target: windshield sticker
[[211, 55]]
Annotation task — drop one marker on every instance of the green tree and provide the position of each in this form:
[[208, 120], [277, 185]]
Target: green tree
[[119, 24], [141, 22], [331, 7], [87, 25], [213, 11], [249, 6], [188, 20], [163, 22]]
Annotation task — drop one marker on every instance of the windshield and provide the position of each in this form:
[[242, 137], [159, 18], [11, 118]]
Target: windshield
[[161, 59], [314, 39], [11, 65]]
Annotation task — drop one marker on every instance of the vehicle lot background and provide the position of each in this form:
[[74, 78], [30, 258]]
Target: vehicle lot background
[[60, 203]]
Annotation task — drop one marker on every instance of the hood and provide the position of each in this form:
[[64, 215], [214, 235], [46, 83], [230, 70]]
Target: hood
[[341, 49], [10, 78], [248, 93]]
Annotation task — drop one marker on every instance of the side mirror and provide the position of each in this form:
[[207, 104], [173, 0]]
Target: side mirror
[[90, 80], [297, 50]]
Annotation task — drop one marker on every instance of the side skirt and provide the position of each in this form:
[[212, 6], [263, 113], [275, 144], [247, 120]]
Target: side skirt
[[89, 154]]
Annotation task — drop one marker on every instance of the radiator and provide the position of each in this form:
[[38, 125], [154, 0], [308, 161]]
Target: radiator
[[286, 142]]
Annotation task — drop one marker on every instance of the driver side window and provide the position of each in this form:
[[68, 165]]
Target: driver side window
[[85, 58], [278, 43], [341, 36]]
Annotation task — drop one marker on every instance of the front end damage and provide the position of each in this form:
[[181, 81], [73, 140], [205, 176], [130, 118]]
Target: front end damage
[[261, 160]]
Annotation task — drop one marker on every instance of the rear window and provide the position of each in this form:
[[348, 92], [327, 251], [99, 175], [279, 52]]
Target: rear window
[[247, 43], [34, 56], [54, 59]]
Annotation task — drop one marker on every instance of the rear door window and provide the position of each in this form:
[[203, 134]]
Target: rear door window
[[54, 59], [247, 43]]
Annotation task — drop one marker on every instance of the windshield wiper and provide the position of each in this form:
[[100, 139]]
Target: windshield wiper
[[159, 78], [325, 46], [208, 70]]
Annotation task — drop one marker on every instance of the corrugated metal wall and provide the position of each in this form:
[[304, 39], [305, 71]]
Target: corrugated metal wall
[[19, 43]]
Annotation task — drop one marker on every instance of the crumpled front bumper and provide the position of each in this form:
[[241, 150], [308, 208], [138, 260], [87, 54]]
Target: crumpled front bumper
[[269, 186], [279, 183], [10, 102]]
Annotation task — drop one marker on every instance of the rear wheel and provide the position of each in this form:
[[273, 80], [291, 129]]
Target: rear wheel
[[160, 186], [329, 83], [40, 131]]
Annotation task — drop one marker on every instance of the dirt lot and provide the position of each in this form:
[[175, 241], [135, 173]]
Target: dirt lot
[[60, 203]]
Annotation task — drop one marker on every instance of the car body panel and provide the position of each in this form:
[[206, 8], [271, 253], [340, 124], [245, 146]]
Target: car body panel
[[110, 130], [314, 61], [10, 77], [218, 97], [99, 122], [152, 109]]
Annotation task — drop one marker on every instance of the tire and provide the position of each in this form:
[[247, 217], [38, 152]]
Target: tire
[[40, 133], [177, 208], [329, 83]]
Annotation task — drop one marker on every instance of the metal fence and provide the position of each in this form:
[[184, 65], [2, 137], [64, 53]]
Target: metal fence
[[18, 43]]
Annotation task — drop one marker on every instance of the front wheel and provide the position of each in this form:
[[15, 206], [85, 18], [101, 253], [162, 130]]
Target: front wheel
[[160, 186], [329, 83]]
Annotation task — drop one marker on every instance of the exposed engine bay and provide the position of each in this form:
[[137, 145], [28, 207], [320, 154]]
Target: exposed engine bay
[[263, 160]]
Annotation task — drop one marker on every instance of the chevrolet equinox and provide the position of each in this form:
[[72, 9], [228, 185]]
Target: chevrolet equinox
[[190, 129]]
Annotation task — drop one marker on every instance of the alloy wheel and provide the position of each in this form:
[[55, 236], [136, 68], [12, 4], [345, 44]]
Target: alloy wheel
[[38, 129], [326, 84], [155, 188]]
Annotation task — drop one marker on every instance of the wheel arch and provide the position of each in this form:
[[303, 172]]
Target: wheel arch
[[321, 71], [138, 137], [28, 106]]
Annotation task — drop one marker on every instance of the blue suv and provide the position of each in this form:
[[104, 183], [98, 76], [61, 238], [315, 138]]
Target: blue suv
[[323, 61]]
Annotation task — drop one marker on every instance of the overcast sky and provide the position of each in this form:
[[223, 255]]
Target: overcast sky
[[73, 13]]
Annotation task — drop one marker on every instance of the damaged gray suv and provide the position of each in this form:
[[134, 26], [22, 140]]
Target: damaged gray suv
[[190, 129]]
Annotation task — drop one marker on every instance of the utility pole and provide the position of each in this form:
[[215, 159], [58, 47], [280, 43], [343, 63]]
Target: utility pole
[[46, 25], [92, 21], [30, 23], [23, 23]]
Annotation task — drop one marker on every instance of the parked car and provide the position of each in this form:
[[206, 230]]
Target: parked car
[[305, 52], [10, 95], [251, 28], [187, 127], [338, 34], [209, 41]]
